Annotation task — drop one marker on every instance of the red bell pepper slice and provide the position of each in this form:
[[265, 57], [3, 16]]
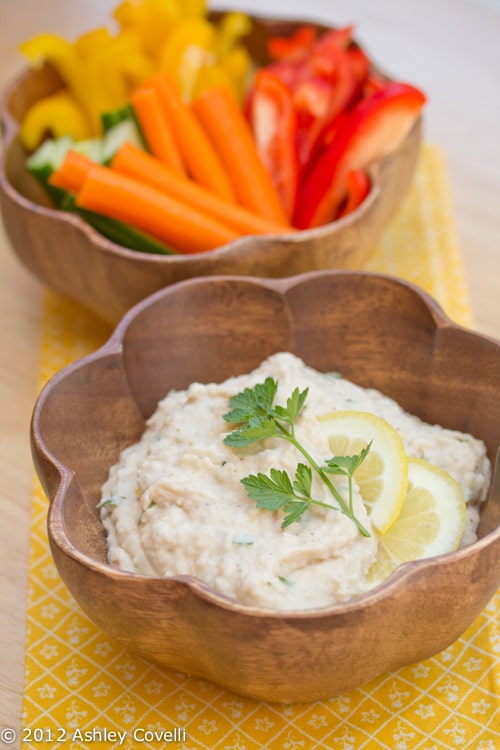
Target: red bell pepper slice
[[360, 66], [374, 127], [292, 48], [344, 80], [318, 102], [313, 95], [273, 120], [344, 88], [311, 99], [357, 186], [373, 83], [323, 53], [323, 75]]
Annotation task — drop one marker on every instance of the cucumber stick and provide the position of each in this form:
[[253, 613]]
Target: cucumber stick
[[45, 160], [113, 117], [123, 132], [124, 234], [50, 155]]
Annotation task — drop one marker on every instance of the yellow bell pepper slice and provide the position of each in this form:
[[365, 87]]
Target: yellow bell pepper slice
[[211, 76], [87, 44], [59, 53], [188, 48], [113, 71], [64, 58], [124, 54], [99, 70], [233, 26], [135, 69], [192, 8], [150, 20], [233, 72], [57, 114], [239, 66], [50, 47]]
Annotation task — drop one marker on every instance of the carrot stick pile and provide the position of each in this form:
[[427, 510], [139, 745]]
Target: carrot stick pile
[[222, 118], [197, 151], [202, 184], [134, 162]]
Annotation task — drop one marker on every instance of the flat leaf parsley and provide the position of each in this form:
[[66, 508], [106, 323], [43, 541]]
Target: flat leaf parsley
[[259, 418]]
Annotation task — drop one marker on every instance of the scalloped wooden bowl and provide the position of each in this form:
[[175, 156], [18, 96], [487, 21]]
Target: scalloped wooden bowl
[[67, 255], [206, 330]]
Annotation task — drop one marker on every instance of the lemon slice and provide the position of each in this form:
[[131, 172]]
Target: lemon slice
[[382, 478], [431, 522]]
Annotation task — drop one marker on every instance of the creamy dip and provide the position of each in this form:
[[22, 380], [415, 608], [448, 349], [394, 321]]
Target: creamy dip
[[174, 503]]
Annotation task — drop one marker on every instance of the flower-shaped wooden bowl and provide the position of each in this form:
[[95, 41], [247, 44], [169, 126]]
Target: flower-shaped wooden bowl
[[373, 329], [67, 255]]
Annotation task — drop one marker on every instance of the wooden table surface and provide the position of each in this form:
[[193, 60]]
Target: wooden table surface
[[448, 47]]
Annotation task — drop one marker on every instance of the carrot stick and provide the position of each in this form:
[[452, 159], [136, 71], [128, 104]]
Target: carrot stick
[[71, 173], [112, 194], [156, 128], [195, 147], [136, 163], [225, 124]]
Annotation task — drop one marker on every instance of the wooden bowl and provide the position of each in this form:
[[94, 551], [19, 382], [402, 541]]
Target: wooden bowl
[[207, 329], [67, 255]]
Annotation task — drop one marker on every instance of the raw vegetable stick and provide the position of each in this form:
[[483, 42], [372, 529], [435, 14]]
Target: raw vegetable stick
[[136, 163], [71, 173], [156, 128], [357, 184], [70, 176], [200, 157], [225, 124], [130, 201]]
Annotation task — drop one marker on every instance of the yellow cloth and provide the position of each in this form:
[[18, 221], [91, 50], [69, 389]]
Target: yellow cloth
[[78, 680]]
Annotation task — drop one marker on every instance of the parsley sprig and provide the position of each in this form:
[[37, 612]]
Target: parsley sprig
[[259, 418]]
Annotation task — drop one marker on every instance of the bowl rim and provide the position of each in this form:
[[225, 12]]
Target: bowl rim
[[114, 346]]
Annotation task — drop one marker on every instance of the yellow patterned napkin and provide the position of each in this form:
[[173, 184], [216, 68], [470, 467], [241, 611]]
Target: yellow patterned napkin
[[82, 690]]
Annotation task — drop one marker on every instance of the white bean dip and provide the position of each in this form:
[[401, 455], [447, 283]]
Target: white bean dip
[[174, 503]]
